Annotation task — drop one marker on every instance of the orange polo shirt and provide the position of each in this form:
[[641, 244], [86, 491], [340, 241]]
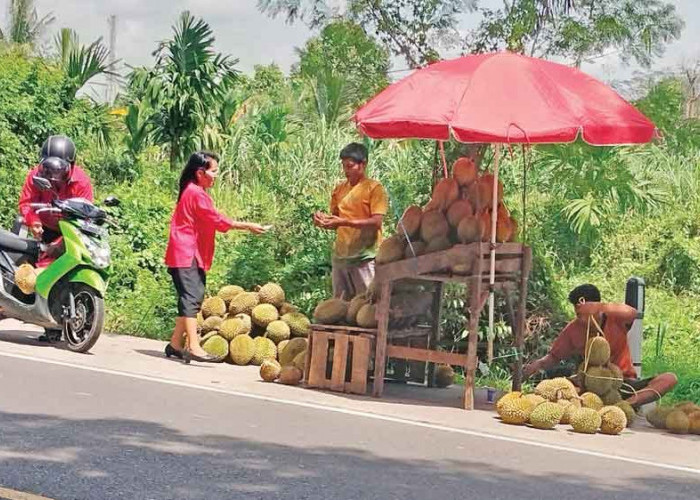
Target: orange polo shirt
[[572, 341], [361, 201]]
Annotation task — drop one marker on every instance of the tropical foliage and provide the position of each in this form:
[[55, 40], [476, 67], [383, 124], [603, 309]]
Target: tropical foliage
[[592, 215]]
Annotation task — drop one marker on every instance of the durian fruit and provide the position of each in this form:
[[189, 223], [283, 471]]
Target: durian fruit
[[242, 349], [458, 211], [677, 422], [464, 171], [630, 414], [445, 193], [290, 375], [469, 230], [546, 415], [694, 422], [228, 292], [514, 410], [613, 420], [200, 320], [280, 347], [243, 303], [486, 186], [612, 397], [598, 351], [271, 293], [277, 331], [444, 376], [415, 249], [232, 327], [391, 250], [410, 222], [485, 219], [585, 420], [25, 278], [535, 399], [598, 379], [556, 388], [269, 370], [353, 308], [503, 399], [212, 323], [687, 406], [213, 306], [207, 336], [330, 312], [264, 349], [300, 360], [299, 324], [433, 225], [617, 375], [291, 350], [287, 308], [264, 314], [569, 406], [366, 316], [657, 416], [591, 400], [216, 346], [438, 244]]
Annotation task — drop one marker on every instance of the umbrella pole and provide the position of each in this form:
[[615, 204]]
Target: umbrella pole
[[494, 218]]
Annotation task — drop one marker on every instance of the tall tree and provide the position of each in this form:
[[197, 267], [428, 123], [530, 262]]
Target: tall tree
[[344, 50], [578, 31], [25, 25], [413, 29], [187, 85], [81, 63], [421, 30]]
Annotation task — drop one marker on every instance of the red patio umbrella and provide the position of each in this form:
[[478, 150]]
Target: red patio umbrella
[[503, 98]]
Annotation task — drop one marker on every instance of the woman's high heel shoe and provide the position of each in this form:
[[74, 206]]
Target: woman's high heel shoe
[[171, 351], [187, 356]]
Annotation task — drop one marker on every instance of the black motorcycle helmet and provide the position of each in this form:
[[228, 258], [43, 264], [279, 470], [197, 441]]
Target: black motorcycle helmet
[[55, 170], [59, 146]]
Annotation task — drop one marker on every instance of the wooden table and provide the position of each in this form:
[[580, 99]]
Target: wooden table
[[513, 264]]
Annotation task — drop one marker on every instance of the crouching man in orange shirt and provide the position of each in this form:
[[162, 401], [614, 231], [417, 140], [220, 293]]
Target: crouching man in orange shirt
[[615, 321]]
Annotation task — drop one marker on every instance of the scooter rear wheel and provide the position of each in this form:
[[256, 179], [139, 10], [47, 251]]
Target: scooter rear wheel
[[82, 332]]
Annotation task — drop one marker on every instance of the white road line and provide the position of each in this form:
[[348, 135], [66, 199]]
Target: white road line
[[375, 416]]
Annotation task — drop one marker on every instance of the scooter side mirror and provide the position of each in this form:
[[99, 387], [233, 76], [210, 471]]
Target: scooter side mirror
[[112, 201], [41, 184]]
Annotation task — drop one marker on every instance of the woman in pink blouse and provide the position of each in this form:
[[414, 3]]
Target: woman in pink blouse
[[190, 250]]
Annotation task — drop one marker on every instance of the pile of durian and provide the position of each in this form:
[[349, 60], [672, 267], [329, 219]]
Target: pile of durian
[[681, 418], [556, 401], [257, 328], [459, 212]]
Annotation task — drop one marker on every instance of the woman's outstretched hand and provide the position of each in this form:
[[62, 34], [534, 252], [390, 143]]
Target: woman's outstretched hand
[[255, 228]]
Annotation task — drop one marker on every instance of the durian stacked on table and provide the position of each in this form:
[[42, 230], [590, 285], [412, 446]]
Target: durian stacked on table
[[459, 212], [257, 327], [680, 418], [556, 401]]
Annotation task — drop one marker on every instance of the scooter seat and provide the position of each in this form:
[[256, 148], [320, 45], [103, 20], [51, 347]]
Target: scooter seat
[[12, 243]]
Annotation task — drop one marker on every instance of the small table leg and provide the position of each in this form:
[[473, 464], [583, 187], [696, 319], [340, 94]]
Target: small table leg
[[382, 335]]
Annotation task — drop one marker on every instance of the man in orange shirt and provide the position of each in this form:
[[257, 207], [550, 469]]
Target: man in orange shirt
[[358, 207], [615, 321]]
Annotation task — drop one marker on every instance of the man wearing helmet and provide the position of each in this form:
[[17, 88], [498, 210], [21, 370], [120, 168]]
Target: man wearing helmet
[[68, 180]]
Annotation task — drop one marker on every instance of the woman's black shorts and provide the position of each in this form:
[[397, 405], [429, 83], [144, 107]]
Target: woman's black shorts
[[190, 284]]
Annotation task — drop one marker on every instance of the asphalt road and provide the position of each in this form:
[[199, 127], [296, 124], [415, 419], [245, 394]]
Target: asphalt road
[[68, 433]]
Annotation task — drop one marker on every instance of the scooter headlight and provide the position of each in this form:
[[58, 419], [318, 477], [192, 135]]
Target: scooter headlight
[[99, 250]]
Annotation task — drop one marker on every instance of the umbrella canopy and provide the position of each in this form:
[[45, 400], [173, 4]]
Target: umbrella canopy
[[503, 98]]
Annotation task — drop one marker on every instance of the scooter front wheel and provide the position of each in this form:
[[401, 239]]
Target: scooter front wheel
[[82, 331]]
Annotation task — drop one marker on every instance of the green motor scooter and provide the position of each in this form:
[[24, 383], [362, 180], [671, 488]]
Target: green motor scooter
[[69, 293]]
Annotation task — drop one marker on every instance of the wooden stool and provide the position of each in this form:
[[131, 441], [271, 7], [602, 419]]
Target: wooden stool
[[347, 371]]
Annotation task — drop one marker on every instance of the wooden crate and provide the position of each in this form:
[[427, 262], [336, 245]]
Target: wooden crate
[[346, 371]]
